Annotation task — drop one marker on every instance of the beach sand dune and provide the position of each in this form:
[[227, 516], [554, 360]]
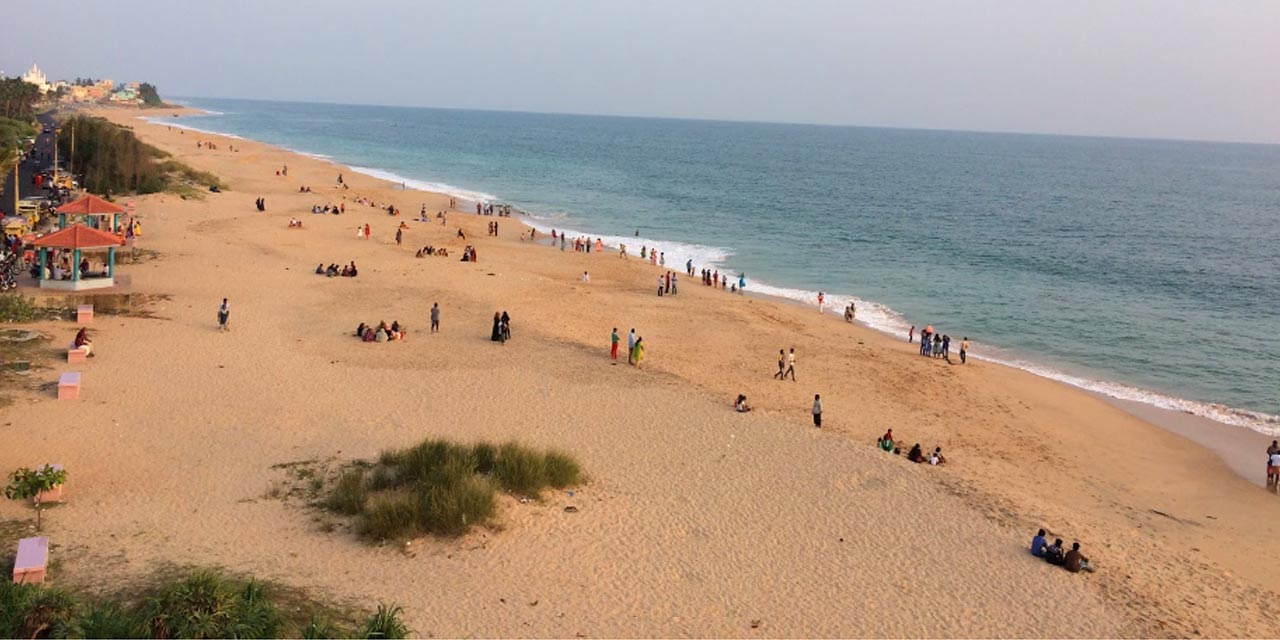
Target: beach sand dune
[[696, 521]]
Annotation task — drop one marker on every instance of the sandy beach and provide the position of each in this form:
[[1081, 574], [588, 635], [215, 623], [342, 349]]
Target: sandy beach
[[696, 521]]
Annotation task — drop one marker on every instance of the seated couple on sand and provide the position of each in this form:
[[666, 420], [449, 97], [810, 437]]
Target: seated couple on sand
[[381, 333], [431, 251], [886, 443], [295, 223], [740, 405], [1071, 560], [469, 254], [333, 270]]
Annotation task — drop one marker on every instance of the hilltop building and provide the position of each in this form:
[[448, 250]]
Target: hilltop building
[[36, 76]]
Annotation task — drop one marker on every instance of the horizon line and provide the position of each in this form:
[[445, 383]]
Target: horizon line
[[749, 121]]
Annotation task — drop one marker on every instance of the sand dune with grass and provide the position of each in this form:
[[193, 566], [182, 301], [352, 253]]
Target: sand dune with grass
[[192, 446]]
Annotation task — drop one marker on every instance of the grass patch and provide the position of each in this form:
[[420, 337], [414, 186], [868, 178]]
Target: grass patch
[[200, 604], [15, 307], [442, 488]]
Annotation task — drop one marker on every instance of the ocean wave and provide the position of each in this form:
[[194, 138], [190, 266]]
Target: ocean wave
[[314, 156], [677, 253], [422, 185], [170, 122]]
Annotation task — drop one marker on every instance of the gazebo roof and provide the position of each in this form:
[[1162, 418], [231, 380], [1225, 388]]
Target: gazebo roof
[[78, 236], [90, 205]]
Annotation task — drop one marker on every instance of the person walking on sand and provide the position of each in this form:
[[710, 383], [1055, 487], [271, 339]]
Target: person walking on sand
[[399, 236], [964, 349], [435, 317], [613, 344], [791, 365], [637, 354], [631, 346], [224, 314], [817, 411], [782, 364], [822, 299], [367, 232]]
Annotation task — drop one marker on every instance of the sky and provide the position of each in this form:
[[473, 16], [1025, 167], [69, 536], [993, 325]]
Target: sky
[[1179, 69]]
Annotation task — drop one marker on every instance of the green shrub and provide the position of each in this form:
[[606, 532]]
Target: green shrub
[[386, 623], [205, 605], [106, 620], [442, 488], [521, 470], [33, 611], [348, 494], [562, 470], [15, 307], [388, 518], [322, 628], [452, 509]]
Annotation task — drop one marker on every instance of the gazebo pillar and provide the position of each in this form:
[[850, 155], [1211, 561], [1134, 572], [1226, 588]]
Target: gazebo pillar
[[43, 251], [75, 264], [62, 221], [111, 262]]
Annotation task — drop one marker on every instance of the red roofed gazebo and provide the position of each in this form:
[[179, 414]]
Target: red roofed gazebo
[[71, 272], [91, 207]]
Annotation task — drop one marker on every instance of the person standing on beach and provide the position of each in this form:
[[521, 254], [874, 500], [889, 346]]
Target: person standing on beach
[[742, 281], [817, 411], [782, 365], [822, 299], [675, 283], [631, 346], [367, 232], [435, 317], [911, 334], [399, 236], [667, 284], [224, 314], [946, 348], [613, 344], [791, 365], [964, 349], [637, 353]]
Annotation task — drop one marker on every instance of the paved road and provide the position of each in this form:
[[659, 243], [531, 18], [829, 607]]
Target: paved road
[[44, 148]]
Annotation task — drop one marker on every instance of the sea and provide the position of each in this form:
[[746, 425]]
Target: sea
[[1145, 270]]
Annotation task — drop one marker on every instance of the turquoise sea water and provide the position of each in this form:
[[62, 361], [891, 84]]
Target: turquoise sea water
[[1143, 269]]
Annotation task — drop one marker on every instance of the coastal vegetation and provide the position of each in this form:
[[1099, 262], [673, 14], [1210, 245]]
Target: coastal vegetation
[[442, 488], [112, 160], [17, 117], [199, 603]]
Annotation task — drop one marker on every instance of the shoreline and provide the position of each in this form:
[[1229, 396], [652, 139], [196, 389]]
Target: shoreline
[[1164, 408], [697, 519]]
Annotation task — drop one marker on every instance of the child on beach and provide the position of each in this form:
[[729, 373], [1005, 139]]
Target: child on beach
[[224, 314]]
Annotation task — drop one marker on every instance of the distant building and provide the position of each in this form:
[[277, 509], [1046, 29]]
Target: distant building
[[36, 76]]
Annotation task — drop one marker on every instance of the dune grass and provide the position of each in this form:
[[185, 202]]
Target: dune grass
[[443, 488], [200, 604]]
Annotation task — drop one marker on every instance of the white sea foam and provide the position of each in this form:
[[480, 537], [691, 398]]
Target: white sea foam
[[172, 122], [317, 156], [422, 185]]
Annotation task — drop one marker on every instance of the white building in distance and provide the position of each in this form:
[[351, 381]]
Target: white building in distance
[[36, 76]]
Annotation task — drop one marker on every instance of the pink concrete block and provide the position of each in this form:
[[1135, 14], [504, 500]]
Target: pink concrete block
[[33, 556], [76, 356], [84, 314], [69, 386]]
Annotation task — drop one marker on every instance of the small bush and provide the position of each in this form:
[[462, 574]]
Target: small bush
[[106, 620], [442, 488], [388, 518], [562, 470], [386, 623], [348, 494], [15, 307], [33, 611], [521, 470]]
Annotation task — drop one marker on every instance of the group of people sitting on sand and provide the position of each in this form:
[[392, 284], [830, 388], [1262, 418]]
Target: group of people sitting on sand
[[1055, 555], [304, 189], [295, 223], [334, 270], [469, 254], [380, 333], [740, 405], [887, 444], [328, 208], [431, 251]]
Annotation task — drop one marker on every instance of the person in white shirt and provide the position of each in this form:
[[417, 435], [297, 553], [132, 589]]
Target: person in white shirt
[[586, 277]]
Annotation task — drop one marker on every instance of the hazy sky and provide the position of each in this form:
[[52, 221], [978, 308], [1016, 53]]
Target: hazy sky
[[1158, 68]]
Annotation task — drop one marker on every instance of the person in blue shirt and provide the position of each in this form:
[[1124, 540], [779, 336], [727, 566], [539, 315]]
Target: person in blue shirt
[[1038, 545]]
